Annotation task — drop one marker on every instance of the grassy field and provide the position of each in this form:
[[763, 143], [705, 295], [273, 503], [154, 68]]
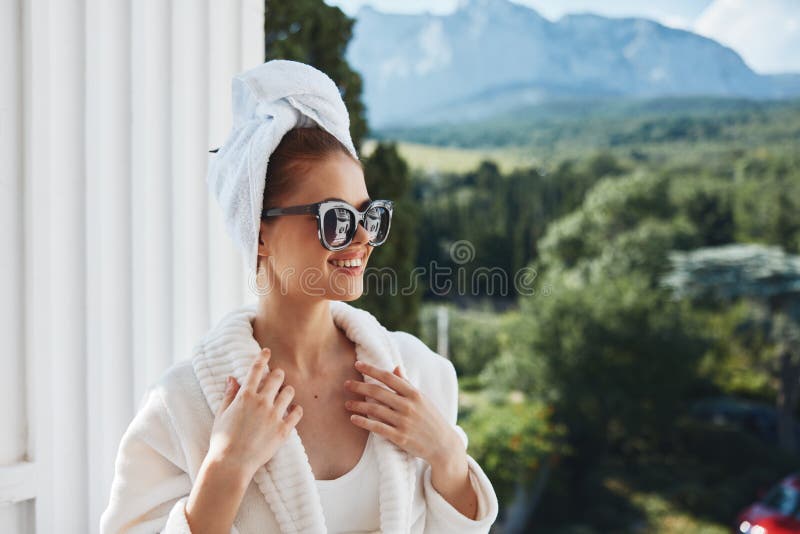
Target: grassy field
[[436, 159], [654, 131]]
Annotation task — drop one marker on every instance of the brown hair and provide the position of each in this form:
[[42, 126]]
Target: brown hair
[[298, 150]]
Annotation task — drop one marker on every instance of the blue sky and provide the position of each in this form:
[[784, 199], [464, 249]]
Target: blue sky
[[766, 33]]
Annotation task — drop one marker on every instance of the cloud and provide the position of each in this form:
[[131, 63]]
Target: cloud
[[765, 33]]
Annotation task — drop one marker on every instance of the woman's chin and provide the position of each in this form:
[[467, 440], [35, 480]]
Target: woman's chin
[[352, 290], [347, 298]]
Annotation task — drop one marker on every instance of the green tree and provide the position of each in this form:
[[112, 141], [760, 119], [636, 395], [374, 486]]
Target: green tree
[[395, 299], [707, 202], [625, 225], [767, 201], [614, 356], [513, 442], [769, 277]]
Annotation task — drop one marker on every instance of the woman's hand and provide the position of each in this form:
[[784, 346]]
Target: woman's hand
[[249, 426], [404, 416]]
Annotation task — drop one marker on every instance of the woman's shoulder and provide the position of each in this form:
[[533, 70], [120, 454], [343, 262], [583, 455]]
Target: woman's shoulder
[[416, 353], [179, 391], [177, 380]]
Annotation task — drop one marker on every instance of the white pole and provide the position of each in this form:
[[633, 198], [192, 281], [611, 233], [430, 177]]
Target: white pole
[[108, 164], [36, 167], [225, 60], [14, 411], [66, 256], [190, 194], [442, 341], [151, 169]]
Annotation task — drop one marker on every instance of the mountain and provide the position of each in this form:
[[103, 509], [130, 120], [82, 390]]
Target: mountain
[[492, 56]]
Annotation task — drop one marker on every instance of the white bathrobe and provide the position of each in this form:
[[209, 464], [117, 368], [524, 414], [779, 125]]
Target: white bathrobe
[[163, 448]]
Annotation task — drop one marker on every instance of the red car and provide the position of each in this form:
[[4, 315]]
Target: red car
[[777, 512]]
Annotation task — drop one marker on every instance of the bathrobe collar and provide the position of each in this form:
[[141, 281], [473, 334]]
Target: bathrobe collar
[[286, 481]]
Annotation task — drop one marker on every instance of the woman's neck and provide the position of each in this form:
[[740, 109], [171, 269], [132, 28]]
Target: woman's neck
[[300, 333]]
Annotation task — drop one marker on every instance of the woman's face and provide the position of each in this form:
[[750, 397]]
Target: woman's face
[[293, 261]]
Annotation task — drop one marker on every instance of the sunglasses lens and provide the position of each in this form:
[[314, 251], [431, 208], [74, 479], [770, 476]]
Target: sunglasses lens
[[339, 225], [376, 222]]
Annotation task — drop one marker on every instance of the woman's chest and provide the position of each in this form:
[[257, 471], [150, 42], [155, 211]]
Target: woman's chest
[[332, 442]]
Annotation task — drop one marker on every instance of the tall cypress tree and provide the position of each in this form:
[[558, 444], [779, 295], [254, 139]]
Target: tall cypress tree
[[387, 176]]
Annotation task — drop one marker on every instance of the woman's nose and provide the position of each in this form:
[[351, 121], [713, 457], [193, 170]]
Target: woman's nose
[[362, 236]]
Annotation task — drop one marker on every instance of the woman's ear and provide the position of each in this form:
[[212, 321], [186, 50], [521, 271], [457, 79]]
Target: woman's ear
[[261, 236]]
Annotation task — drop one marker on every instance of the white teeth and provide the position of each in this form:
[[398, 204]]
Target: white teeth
[[355, 262]]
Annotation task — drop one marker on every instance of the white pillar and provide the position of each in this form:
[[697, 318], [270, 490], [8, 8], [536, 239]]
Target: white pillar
[[252, 36], [107, 111], [14, 412], [108, 144], [189, 157], [36, 168], [65, 254], [225, 59], [151, 170]]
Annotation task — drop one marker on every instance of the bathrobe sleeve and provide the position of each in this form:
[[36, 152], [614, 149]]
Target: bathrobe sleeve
[[150, 486], [442, 517]]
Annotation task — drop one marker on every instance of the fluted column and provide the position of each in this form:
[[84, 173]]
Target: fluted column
[[16, 471], [225, 60], [189, 153], [151, 170], [115, 263], [65, 255], [36, 80], [109, 236]]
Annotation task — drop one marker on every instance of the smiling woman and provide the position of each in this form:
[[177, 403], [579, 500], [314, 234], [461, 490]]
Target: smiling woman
[[299, 391]]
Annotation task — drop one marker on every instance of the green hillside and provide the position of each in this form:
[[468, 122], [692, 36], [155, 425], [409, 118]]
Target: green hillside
[[653, 129]]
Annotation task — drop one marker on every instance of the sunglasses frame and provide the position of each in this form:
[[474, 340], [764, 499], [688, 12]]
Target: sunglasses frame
[[318, 209]]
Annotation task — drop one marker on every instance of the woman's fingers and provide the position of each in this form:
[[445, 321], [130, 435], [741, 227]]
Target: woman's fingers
[[256, 370], [386, 396], [283, 399], [294, 415], [375, 409], [272, 383], [394, 380]]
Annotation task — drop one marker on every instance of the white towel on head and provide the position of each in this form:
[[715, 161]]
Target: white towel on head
[[268, 101]]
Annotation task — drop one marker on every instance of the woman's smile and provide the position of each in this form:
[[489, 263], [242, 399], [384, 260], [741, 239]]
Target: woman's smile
[[352, 264]]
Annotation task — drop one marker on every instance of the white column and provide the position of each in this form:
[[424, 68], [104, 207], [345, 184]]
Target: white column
[[65, 254], [14, 412], [107, 111], [252, 36], [189, 156], [36, 167], [151, 170], [108, 144], [225, 60], [12, 409]]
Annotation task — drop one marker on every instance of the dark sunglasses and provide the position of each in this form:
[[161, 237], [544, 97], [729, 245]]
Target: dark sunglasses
[[337, 221]]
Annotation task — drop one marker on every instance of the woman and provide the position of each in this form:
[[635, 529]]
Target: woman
[[299, 412]]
